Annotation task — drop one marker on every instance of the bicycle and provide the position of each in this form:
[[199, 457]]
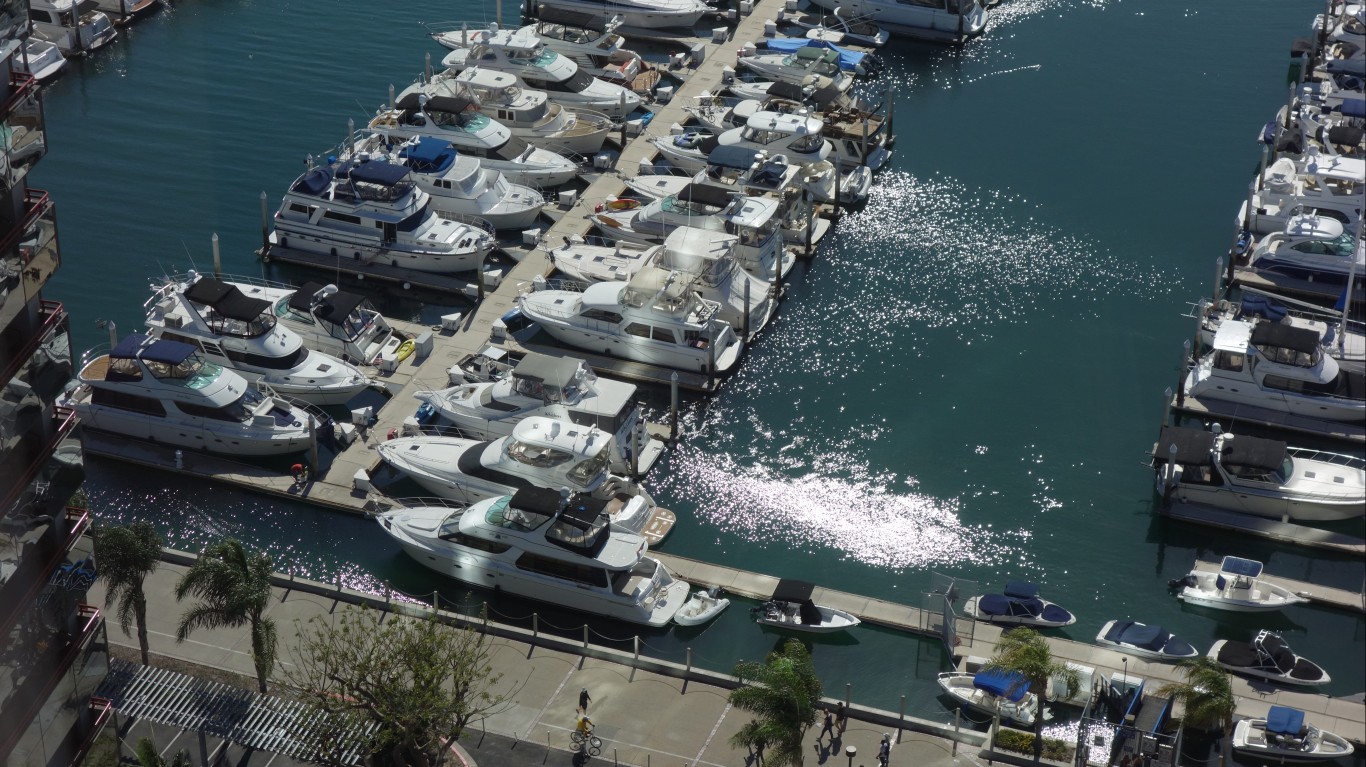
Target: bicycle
[[589, 744]]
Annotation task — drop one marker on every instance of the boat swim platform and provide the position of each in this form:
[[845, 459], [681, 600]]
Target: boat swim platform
[[1345, 431], [1263, 527], [1340, 715], [1327, 596]]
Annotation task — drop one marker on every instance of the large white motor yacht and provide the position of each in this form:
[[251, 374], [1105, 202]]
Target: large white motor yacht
[[757, 174], [1256, 476], [857, 136], [373, 212], [76, 26], [242, 333], [1331, 184], [557, 387], [540, 452], [328, 320], [439, 111], [532, 116], [1313, 251], [939, 20], [704, 259], [797, 66], [536, 545], [591, 44], [796, 136], [670, 327], [520, 53], [1277, 367], [636, 14], [164, 391], [458, 183]]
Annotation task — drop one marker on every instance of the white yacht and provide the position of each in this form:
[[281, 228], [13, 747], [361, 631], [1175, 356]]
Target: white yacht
[[77, 27], [939, 20], [532, 116], [1267, 656], [1330, 184], [344, 325], [521, 54], [42, 59], [637, 14], [835, 27], [437, 111], [757, 174], [1238, 586], [991, 692], [796, 136], [1345, 344], [1277, 367], [373, 212], [535, 545], [591, 44], [1261, 477], [707, 260], [165, 392], [540, 452], [857, 136], [797, 66], [1313, 250], [1282, 736], [1307, 123], [242, 333], [670, 327], [458, 183], [563, 388], [1148, 641]]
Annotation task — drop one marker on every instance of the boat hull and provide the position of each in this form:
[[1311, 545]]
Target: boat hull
[[1262, 597], [1137, 651], [186, 433], [1246, 501], [357, 252], [700, 608]]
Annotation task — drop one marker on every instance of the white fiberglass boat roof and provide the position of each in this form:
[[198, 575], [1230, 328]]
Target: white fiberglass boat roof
[[604, 295], [1233, 336], [801, 125]]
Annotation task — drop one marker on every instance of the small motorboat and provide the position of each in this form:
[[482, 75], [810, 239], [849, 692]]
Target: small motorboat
[[1284, 735], [1235, 587], [992, 692], [1020, 604], [791, 607], [1267, 656], [1145, 641], [42, 59], [702, 606]]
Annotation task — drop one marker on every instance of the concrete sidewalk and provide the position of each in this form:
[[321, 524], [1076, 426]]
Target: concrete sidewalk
[[644, 718]]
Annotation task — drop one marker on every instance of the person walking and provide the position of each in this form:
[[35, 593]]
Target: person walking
[[841, 719], [828, 727], [884, 750], [584, 700]]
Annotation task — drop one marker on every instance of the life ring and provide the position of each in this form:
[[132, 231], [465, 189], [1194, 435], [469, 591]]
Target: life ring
[[405, 350]]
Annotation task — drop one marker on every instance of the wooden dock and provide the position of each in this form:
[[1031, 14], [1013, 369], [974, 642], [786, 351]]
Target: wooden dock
[[1285, 532], [1344, 431], [1320, 595]]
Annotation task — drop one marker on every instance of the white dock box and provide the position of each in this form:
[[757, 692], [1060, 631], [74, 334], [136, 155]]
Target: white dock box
[[531, 237], [451, 322], [362, 416], [423, 346], [493, 279], [602, 161], [411, 428], [499, 331], [728, 74], [770, 28], [746, 7], [698, 53], [388, 361], [662, 94], [346, 434], [568, 198], [361, 481]]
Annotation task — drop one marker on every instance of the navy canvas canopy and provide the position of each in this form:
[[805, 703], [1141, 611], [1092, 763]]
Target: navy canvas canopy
[[582, 511], [1354, 108], [226, 299], [314, 182], [1284, 721], [732, 156], [1301, 340], [538, 500], [334, 308], [706, 194], [1010, 685], [208, 290], [169, 352], [1255, 453], [428, 155], [378, 172], [789, 590], [1022, 589], [785, 90], [130, 345], [999, 604], [1147, 637], [1239, 566]]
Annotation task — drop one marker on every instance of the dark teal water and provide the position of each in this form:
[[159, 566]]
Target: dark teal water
[[965, 381]]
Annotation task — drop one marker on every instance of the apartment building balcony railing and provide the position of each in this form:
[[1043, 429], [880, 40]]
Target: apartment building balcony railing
[[23, 139], [30, 254]]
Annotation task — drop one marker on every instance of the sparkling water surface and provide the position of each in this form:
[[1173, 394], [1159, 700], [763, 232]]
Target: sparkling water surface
[[966, 380]]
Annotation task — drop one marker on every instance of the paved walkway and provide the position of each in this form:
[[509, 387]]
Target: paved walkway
[[644, 718]]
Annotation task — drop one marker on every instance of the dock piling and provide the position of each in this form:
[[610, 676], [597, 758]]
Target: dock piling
[[114, 341], [901, 719], [427, 66], [835, 201], [1218, 276], [864, 147], [265, 224], [1199, 323], [744, 324], [1181, 376], [673, 405], [623, 121], [535, 625], [811, 208], [312, 446], [1247, 212], [391, 95], [1167, 406], [217, 259], [711, 364]]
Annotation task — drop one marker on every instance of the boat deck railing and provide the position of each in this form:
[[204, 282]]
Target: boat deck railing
[[1337, 459]]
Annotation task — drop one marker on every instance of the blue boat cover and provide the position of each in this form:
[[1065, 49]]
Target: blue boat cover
[[1055, 614], [169, 352], [1354, 108], [1022, 589], [849, 60], [1145, 637], [378, 172], [1284, 721], [127, 349], [429, 155], [315, 181], [1010, 685], [1239, 566], [999, 604]]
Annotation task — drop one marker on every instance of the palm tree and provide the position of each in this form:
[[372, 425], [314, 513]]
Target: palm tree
[[1025, 651], [126, 555], [1206, 696], [233, 587], [782, 693]]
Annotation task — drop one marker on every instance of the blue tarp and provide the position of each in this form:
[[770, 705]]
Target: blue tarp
[[314, 181], [1145, 637], [429, 155], [849, 60], [169, 352], [1239, 566], [1284, 721], [1010, 685], [1022, 589], [1354, 108], [378, 172]]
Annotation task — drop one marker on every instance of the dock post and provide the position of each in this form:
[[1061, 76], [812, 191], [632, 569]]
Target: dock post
[[498, 13], [835, 202], [1218, 275], [535, 625], [265, 224], [811, 208], [114, 341], [217, 259], [673, 403], [1261, 169], [636, 660], [479, 279], [864, 147], [485, 613], [891, 137], [957, 722], [312, 447], [901, 719], [1169, 471], [1181, 376], [689, 671], [1199, 323], [391, 94], [1289, 107], [745, 321], [585, 636], [1166, 406], [849, 687], [623, 121], [1247, 214], [960, 26], [711, 364]]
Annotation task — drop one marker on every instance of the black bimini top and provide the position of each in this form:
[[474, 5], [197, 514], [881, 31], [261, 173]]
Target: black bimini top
[[784, 90], [1254, 453], [582, 511], [538, 500], [733, 156], [376, 172], [440, 98], [1301, 340], [226, 299], [334, 308], [706, 194], [790, 590], [1193, 446]]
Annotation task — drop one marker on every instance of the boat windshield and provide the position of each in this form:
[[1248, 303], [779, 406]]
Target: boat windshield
[[281, 310], [192, 373], [577, 534], [1342, 246], [540, 56], [503, 514], [1285, 355], [587, 471], [539, 456]]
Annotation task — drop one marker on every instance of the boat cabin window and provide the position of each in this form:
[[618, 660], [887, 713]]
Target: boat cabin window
[[188, 369], [587, 471], [131, 402], [413, 220], [470, 542], [1230, 361], [123, 369], [1341, 247], [695, 338], [602, 315], [503, 514], [235, 415], [345, 218], [540, 456], [577, 83], [807, 144], [576, 537], [1261, 474], [663, 335], [638, 329], [306, 210], [287, 362], [1287, 356], [569, 571]]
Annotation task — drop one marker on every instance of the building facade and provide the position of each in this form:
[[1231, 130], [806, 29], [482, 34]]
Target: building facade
[[53, 647]]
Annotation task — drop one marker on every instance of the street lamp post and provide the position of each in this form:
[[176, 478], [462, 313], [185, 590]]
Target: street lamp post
[[851, 752]]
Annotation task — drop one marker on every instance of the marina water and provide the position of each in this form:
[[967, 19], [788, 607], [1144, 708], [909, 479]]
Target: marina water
[[966, 380]]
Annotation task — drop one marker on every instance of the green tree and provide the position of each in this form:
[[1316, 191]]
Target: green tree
[[783, 694], [403, 688], [233, 588], [148, 756], [127, 554], [1024, 651], [1206, 696]]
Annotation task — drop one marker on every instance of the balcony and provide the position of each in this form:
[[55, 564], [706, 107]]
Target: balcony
[[22, 134], [28, 562], [29, 255]]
